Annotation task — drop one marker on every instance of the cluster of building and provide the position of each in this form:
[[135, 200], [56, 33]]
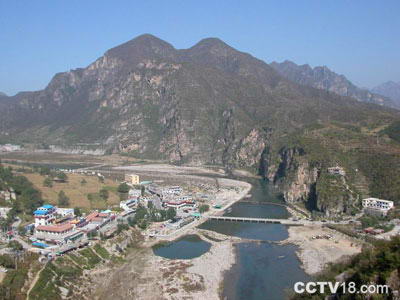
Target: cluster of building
[[59, 230], [172, 196], [10, 148], [160, 196], [377, 207]]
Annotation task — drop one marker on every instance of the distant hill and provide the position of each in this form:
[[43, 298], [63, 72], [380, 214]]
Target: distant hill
[[323, 78], [389, 89], [213, 104]]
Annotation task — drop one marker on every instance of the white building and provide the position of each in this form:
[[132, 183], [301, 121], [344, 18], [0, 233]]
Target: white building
[[129, 204], [54, 233], [134, 193], [65, 212], [337, 171], [377, 205], [173, 190], [44, 215]]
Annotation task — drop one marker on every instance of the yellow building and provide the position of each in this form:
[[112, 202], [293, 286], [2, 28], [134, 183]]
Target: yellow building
[[132, 178]]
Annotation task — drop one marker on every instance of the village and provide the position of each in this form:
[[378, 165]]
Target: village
[[144, 207], [59, 230]]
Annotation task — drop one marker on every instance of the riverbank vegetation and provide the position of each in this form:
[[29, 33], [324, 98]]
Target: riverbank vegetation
[[378, 264]]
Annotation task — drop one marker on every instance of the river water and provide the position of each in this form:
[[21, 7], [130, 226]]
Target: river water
[[264, 270], [187, 247]]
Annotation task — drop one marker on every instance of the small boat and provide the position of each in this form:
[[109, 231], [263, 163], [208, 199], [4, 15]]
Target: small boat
[[281, 256]]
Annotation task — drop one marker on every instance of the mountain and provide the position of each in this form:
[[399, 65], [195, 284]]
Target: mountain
[[323, 78], [212, 104], [389, 89], [3, 94]]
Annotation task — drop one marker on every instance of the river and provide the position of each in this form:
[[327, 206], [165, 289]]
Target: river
[[263, 270]]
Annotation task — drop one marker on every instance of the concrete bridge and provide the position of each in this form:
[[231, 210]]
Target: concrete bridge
[[256, 220]]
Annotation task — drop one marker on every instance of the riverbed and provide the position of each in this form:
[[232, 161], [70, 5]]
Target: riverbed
[[263, 268]]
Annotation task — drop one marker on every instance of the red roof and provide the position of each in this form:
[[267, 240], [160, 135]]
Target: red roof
[[91, 216], [97, 219], [55, 228], [179, 203]]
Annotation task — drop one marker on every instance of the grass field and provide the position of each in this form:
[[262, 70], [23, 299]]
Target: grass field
[[76, 192]]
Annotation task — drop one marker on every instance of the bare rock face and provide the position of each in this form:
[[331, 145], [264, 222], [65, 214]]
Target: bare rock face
[[300, 187], [251, 147], [313, 185]]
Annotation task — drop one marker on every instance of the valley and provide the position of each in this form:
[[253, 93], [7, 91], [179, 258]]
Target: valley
[[164, 173]]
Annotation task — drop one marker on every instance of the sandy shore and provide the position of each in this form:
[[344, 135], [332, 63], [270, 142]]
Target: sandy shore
[[316, 253], [147, 276]]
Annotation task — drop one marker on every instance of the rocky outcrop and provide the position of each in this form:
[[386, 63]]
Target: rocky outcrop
[[312, 185]]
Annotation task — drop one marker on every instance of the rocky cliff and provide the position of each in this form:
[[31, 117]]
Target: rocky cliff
[[311, 184]]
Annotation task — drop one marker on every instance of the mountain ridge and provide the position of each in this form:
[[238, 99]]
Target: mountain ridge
[[210, 104], [321, 77], [389, 89]]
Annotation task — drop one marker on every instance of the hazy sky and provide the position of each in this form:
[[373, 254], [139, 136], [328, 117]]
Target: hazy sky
[[357, 38]]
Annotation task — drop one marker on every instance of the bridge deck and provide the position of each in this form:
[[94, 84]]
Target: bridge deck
[[255, 220]]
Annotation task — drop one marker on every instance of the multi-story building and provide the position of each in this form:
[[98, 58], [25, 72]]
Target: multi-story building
[[129, 204], [377, 206], [54, 233], [134, 193], [44, 215], [172, 190], [132, 179]]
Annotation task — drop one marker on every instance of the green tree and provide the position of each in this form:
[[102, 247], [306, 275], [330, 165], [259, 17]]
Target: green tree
[[83, 181], [6, 261], [15, 245], [44, 171], [21, 230], [47, 182], [103, 193], [123, 188], [171, 213], [63, 199], [140, 214], [77, 212], [150, 205], [203, 208], [61, 176]]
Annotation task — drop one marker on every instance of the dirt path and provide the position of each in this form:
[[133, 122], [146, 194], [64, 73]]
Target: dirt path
[[34, 282]]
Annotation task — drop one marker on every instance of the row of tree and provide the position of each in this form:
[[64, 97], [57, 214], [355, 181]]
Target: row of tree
[[28, 198]]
